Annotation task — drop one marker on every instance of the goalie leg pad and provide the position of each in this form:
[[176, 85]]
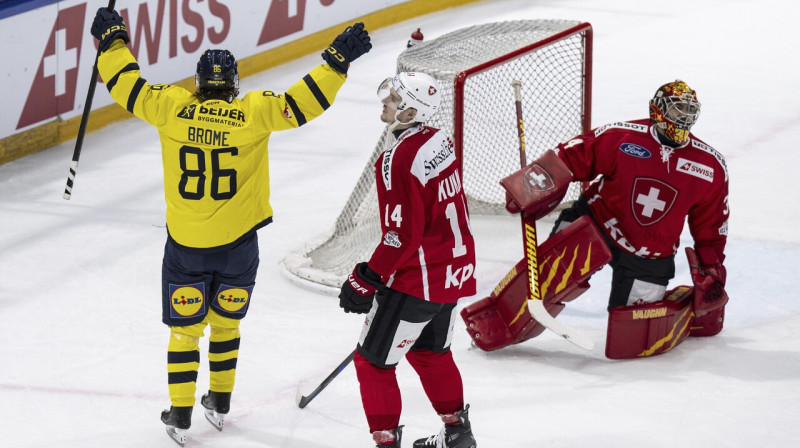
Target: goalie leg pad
[[650, 329], [567, 260], [708, 324]]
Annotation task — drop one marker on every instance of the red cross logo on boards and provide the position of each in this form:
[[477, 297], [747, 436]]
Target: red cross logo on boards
[[53, 89], [651, 200]]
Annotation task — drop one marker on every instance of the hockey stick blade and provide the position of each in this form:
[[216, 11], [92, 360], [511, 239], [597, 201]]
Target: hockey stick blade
[[541, 315], [303, 400]]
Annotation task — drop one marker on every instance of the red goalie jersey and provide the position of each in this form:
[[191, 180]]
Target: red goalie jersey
[[647, 190], [427, 249]]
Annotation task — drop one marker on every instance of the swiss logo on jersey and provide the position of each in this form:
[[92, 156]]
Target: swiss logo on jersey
[[54, 85], [651, 200], [537, 179], [695, 169]]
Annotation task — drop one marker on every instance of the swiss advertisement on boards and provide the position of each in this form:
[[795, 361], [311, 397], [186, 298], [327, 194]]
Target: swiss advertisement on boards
[[53, 52]]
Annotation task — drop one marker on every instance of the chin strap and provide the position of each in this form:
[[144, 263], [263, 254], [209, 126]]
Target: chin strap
[[393, 126]]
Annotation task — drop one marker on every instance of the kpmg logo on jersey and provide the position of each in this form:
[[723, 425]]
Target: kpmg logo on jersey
[[187, 300], [651, 200], [635, 150], [391, 238], [233, 299], [695, 169]]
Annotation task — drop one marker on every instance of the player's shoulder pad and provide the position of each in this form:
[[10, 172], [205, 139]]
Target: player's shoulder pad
[[434, 154], [702, 146], [621, 125]]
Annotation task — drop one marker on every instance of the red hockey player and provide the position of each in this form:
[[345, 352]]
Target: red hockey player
[[648, 177], [423, 264]]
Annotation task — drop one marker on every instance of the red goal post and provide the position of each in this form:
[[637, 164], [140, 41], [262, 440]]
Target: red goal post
[[475, 67]]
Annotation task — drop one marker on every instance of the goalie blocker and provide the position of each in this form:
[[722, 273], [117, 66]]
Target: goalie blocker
[[568, 260]]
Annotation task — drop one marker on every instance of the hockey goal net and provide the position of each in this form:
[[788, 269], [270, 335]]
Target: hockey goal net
[[475, 67]]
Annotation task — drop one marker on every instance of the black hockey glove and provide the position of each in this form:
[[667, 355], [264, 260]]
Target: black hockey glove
[[347, 47], [107, 27], [359, 289]]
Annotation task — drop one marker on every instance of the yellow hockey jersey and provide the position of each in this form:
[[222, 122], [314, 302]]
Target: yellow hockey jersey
[[215, 154]]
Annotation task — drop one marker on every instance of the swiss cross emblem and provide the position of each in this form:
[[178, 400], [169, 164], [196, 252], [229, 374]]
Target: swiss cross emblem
[[431, 90], [537, 179], [53, 89], [651, 200]]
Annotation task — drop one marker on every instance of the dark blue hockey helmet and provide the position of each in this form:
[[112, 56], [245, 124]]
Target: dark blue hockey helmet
[[217, 70]]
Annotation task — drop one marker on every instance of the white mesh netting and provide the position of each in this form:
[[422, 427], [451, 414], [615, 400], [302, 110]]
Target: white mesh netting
[[475, 67]]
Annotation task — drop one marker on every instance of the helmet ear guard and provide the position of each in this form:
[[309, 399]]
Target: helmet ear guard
[[674, 109]]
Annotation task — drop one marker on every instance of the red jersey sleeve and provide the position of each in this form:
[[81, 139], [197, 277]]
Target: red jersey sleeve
[[708, 219]]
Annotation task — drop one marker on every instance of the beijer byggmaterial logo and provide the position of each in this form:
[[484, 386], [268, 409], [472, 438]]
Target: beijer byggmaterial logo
[[635, 150]]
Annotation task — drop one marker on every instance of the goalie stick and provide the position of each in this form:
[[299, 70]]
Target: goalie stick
[[535, 303], [87, 107], [303, 400]]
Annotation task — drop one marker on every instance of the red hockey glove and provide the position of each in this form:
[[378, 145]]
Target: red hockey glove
[[359, 289], [538, 188], [709, 285]]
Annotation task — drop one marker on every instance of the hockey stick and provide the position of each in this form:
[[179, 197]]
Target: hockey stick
[[535, 303], [87, 107], [303, 400]]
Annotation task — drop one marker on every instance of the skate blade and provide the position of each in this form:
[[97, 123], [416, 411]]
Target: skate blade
[[177, 434], [216, 419]]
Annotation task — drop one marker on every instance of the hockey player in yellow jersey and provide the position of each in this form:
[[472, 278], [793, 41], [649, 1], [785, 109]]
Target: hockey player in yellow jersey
[[216, 186]]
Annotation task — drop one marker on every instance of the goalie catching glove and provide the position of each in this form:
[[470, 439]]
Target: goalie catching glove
[[709, 284], [347, 47], [358, 290], [538, 188]]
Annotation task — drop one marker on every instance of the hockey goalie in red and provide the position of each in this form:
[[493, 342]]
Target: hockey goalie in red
[[423, 264], [647, 178]]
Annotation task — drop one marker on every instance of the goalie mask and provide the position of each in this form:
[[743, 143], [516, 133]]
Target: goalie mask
[[217, 71], [674, 110], [416, 90]]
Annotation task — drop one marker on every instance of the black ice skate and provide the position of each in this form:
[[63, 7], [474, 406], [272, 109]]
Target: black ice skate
[[392, 437], [216, 406], [178, 419], [457, 435]]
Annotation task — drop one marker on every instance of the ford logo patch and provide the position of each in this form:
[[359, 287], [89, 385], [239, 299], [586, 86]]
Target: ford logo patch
[[635, 150]]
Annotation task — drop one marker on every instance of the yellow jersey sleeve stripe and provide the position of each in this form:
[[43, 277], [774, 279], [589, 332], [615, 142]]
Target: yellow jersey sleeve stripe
[[137, 87], [315, 90], [113, 81], [301, 118]]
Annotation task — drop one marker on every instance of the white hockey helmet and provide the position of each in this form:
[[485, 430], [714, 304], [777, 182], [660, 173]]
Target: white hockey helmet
[[418, 90]]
